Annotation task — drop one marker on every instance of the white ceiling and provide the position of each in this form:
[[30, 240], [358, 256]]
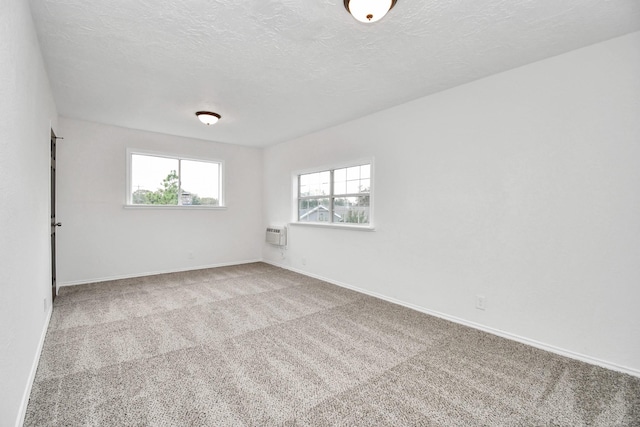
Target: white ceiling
[[278, 69]]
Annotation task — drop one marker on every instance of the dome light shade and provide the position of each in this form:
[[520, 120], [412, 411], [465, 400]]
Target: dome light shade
[[368, 11], [207, 117]]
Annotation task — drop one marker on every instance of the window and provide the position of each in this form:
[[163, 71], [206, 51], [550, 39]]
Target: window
[[337, 196], [161, 180]]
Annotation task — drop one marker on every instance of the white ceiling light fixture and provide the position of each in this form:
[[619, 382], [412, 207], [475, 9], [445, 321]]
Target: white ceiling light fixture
[[368, 11], [208, 118]]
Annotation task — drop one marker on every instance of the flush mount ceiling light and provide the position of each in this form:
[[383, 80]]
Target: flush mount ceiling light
[[207, 117], [368, 11]]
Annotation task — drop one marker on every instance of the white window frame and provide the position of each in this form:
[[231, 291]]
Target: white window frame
[[295, 179], [168, 155]]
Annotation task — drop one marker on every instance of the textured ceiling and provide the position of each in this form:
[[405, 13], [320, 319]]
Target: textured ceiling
[[278, 69]]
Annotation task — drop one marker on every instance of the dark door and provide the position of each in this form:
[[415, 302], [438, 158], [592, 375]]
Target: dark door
[[54, 224]]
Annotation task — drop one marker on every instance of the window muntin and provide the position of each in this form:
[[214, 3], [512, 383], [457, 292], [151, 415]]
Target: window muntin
[[159, 180], [336, 196]]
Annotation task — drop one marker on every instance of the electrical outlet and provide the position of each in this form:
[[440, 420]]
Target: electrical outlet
[[481, 302], [190, 255], [45, 305], [304, 261]]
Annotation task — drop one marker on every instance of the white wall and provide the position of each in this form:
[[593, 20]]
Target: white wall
[[523, 187], [100, 239], [26, 114]]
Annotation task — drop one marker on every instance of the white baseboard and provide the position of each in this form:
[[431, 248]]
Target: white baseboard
[[32, 375], [533, 343], [152, 273]]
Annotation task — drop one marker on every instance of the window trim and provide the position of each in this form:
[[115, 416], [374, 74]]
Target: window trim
[[171, 155], [295, 178]]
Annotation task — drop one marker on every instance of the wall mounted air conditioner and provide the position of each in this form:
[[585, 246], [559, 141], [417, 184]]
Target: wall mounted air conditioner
[[277, 236]]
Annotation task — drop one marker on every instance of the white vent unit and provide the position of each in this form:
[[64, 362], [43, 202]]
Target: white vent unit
[[277, 236]]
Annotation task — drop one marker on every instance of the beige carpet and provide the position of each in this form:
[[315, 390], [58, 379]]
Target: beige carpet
[[256, 345]]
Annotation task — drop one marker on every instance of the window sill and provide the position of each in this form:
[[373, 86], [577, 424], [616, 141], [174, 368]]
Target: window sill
[[336, 226], [183, 208]]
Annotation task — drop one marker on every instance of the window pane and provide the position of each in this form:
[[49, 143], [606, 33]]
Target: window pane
[[352, 209], [365, 171], [303, 208], [325, 177], [323, 211], [325, 189], [315, 184], [154, 180], [313, 210], [340, 174], [340, 207], [353, 173], [340, 187], [353, 187], [200, 183], [365, 185]]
